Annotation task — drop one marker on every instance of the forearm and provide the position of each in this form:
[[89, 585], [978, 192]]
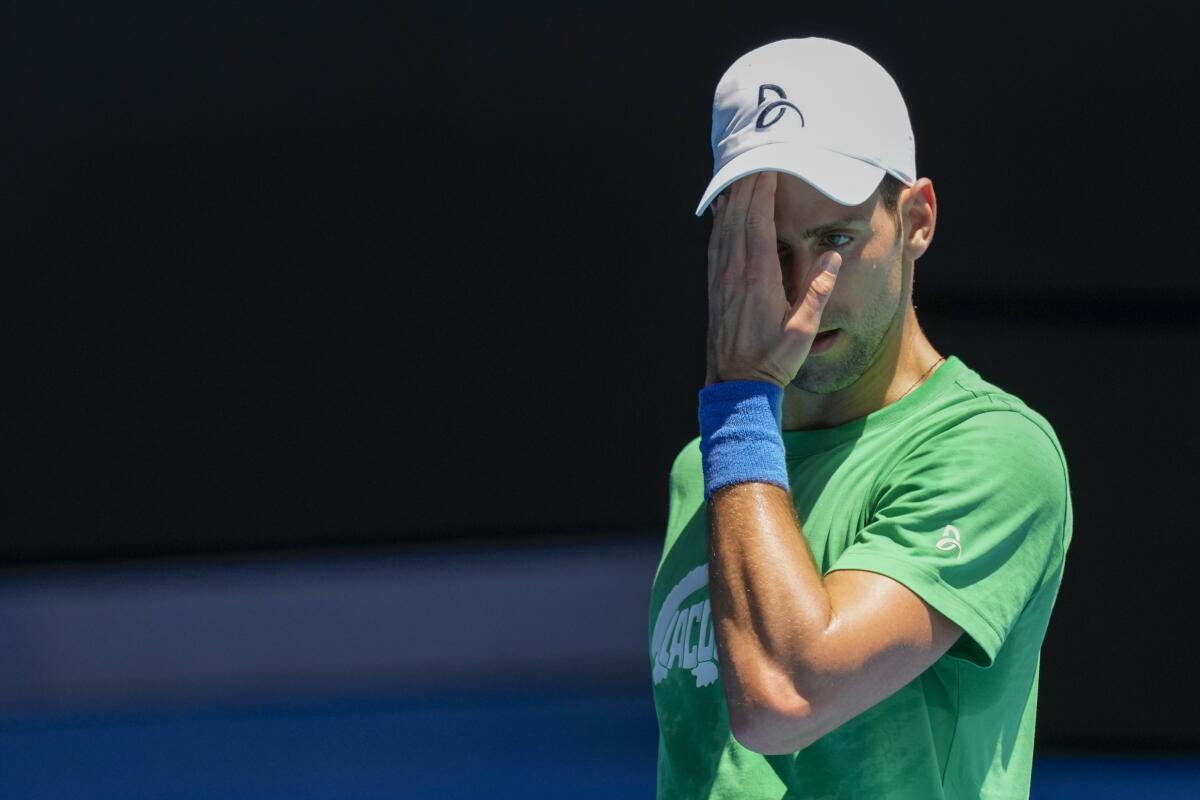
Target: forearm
[[769, 605]]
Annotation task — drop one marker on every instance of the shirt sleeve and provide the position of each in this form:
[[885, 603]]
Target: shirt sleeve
[[974, 522]]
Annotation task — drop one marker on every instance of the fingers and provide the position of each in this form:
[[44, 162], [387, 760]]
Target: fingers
[[714, 241], [762, 256], [741, 245], [716, 296], [741, 254], [732, 225]]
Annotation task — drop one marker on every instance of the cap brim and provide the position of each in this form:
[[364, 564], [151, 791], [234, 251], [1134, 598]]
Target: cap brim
[[841, 178]]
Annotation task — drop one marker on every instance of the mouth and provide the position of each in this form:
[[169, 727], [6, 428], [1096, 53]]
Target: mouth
[[824, 340]]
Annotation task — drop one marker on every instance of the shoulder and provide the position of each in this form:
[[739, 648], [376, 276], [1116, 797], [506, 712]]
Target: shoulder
[[988, 443], [1006, 433], [989, 455], [977, 421]]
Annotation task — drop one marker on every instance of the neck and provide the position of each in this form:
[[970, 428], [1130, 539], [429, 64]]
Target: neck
[[901, 364]]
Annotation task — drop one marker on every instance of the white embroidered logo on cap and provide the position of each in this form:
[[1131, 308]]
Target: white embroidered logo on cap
[[951, 541]]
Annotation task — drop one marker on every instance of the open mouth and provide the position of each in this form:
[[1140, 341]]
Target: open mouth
[[824, 341]]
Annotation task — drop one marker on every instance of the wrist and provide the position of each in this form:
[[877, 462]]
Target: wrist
[[740, 438]]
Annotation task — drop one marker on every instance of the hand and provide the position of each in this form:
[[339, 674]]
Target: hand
[[754, 333]]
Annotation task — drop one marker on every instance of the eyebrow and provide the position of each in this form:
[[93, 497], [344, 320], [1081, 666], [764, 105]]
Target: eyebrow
[[837, 223]]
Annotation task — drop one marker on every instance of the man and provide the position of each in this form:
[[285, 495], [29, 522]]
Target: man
[[865, 543]]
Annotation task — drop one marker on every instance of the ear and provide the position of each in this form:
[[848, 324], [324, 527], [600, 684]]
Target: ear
[[918, 209]]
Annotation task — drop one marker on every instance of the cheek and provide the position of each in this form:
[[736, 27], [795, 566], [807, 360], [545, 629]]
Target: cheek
[[864, 290], [880, 251]]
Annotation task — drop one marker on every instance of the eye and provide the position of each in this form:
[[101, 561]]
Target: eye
[[835, 240]]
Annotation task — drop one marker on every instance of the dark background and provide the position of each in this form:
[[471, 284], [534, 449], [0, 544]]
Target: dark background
[[318, 277]]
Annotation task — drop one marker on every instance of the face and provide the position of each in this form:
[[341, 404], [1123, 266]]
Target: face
[[868, 294]]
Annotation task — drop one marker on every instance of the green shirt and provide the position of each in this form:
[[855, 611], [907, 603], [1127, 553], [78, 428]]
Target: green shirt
[[959, 491]]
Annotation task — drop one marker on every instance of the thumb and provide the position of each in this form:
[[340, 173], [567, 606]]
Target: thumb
[[808, 307]]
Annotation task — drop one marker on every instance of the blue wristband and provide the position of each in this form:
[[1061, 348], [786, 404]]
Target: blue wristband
[[740, 437]]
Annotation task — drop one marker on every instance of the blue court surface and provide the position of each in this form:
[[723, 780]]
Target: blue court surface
[[546, 744]]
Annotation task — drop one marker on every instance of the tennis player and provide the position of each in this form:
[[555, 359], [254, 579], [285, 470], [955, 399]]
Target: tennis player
[[866, 540]]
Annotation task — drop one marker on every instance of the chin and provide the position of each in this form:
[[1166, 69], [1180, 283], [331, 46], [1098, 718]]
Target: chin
[[817, 382], [828, 374]]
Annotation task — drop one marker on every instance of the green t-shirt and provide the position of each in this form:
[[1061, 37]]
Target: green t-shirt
[[960, 492]]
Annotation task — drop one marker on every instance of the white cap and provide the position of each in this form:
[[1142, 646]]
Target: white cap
[[818, 109]]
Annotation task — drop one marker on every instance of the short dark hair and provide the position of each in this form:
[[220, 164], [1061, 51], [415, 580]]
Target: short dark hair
[[889, 195], [889, 192]]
